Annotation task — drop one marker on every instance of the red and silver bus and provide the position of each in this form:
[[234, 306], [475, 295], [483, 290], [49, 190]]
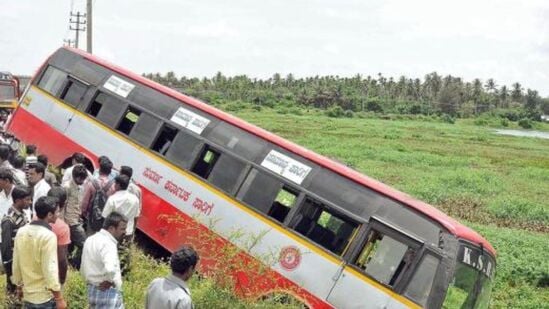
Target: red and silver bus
[[339, 238], [9, 90]]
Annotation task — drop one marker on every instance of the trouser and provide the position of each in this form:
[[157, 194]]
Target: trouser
[[50, 304], [110, 298], [10, 287], [11, 298], [78, 237], [124, 254]]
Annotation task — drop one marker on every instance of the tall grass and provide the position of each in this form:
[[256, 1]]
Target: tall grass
[[205, 292]]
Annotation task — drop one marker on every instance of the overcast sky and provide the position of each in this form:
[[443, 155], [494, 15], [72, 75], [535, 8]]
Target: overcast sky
[[506, 40]]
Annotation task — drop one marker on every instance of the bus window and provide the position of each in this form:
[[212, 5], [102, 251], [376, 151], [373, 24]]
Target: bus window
[[95, 107], [206, 162], [106, 109], [259, 190], [285, 200], [324, 226], [182, 151], [384, 258], [52, 80], [165, 139], [73, 92], [130, 119], [419, 287], [145, 129], [227, 173]]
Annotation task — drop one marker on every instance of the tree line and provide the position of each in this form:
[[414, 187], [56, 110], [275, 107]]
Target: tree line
[[434, 94]]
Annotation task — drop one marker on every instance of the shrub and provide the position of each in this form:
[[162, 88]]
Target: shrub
[[415, 109], [525, 123], [295, 111], [335, 112], [349, 113], [282, 111], [448, 119], [504, 122], [374, 105]]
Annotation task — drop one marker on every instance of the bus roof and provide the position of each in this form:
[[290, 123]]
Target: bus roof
[[443, 219]]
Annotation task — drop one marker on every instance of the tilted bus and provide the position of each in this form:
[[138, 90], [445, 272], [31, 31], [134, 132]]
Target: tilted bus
[[339, 238]]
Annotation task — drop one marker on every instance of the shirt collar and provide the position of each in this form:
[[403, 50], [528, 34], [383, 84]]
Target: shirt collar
[[178, 281], [108, 235], [41, 223], [41, 182]]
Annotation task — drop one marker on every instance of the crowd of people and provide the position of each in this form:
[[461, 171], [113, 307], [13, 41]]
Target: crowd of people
[[86, 221]]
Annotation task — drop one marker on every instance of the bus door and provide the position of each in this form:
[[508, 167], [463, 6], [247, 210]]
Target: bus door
[[374, 269], [73, 93]]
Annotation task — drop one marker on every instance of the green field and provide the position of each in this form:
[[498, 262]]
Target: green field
[[498, 185]]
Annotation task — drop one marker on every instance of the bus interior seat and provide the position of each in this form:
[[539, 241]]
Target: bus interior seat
[[279, 211], [303, 225], [322, 236]]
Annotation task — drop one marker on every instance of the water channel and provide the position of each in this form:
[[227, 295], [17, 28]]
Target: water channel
[[525, 133]]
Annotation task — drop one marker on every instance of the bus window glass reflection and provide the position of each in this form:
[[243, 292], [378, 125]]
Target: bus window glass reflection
[[384, 258], [52, 80]]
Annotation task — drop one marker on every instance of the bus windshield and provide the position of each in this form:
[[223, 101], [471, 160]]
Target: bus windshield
[[472, 281], [7, 92]]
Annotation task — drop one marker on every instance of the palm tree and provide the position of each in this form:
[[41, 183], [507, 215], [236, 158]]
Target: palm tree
[[516, 93], [503, 96]]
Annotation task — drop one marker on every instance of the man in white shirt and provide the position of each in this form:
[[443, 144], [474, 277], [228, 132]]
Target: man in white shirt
[[172, 292], [101, 265], [77, 159], [126, 203], [133, 188], [36, 179]]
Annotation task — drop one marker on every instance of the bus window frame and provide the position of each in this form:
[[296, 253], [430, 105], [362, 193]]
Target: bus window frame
[[152, 137], [69, 81], [333, 210], [41, 75], [386, 228], [119, 117], [157, 136], [405, 281], [245, 185], [222, 153]]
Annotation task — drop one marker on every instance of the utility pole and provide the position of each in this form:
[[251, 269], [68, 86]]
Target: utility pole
[[69, 42], [89, 32], [77, 25]]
